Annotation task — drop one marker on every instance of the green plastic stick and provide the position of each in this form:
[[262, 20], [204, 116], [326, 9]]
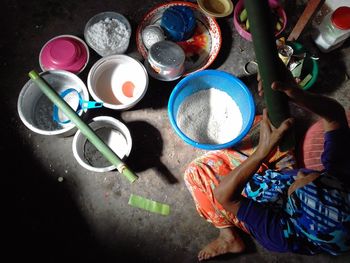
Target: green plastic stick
[[83, 127], [262, 30], [149, 205]]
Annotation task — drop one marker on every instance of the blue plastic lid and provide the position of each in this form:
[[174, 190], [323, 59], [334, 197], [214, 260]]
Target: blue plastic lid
[[178, 23], [188, 14]]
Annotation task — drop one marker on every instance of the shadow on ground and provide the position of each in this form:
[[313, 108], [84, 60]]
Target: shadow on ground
[[147, 150], [43, 222]]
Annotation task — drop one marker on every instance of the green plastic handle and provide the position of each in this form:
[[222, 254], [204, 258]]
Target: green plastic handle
[[82, 126]]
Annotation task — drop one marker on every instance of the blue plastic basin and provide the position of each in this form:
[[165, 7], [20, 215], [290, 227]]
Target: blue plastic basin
[[223, 81]]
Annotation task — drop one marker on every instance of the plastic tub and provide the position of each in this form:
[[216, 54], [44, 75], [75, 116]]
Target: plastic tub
[[119, 81], [104, 39], [113, 132], [64, 52], [36, 110], [245, 34], [223, 81]]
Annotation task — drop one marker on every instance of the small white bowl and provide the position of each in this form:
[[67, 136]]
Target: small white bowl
[[119, 81], [99, 38], [113, 132]]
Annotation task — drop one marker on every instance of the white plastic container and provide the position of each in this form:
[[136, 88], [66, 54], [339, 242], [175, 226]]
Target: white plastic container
[[119, 81], [113, 132], [334, 29], [108, 33], [36, 111]]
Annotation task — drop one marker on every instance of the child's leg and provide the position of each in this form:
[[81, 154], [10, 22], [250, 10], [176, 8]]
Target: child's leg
[[201, 178]]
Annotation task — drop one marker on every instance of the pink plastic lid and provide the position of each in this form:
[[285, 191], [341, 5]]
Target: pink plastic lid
[[341, 17], [64, 52]]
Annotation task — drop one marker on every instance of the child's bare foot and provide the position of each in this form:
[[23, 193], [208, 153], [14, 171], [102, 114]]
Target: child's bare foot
[[228, 242]]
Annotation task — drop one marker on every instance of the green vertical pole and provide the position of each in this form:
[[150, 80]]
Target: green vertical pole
[[83, 127], [262, 30]]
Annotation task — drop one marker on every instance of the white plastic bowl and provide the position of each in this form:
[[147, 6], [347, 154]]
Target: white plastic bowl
[[113, 132], [123, 43], [108, 77]]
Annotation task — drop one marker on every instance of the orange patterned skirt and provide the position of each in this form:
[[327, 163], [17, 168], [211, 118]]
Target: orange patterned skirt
[[205, 173]]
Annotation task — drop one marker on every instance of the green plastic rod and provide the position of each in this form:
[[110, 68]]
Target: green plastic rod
[[83, 127], [262, 30]]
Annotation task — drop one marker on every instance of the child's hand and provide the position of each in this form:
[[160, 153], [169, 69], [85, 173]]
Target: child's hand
[[271, 136], [287, 83], [289, 88]]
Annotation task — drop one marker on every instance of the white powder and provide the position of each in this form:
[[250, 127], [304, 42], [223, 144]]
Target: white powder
[[210, 116], [108, 36]]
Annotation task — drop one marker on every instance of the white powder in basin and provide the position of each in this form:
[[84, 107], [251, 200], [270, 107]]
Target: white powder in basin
[[210, 116]]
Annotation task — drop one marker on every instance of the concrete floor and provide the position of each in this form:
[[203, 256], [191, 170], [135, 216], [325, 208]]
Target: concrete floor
[[86, 218]]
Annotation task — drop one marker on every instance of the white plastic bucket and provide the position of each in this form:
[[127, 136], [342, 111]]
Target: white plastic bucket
[[36, 110], [113, 132]]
